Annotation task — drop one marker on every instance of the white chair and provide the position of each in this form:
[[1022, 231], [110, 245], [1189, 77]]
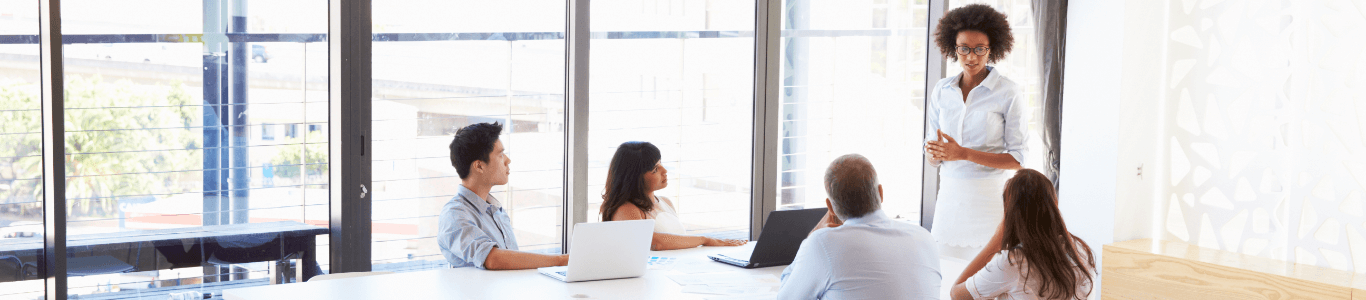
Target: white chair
[[346, 275]]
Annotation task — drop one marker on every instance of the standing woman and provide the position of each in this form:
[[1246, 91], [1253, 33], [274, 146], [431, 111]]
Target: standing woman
[[632, 179], [975, 130]]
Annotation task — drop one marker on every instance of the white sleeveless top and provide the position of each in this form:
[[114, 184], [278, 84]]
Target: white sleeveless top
[[1002, 280], [666, 218]]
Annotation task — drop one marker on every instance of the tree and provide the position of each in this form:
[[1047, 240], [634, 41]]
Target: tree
[[20, 149], [122, 140], [287, 162]]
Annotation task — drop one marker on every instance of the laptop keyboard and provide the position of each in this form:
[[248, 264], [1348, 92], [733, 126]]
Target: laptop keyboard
[[563, 273], [728, 259]]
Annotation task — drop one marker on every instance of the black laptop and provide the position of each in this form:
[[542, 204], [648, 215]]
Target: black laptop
[[779, 241]]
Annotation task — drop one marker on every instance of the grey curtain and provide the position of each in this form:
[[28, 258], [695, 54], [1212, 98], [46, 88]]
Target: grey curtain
[[1050, 19]]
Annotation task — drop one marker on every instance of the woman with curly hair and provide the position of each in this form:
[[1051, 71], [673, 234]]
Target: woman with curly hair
[[632, 179], [975, 129], [1033, 256]]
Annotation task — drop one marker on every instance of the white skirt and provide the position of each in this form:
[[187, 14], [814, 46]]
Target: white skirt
[[968, 210]]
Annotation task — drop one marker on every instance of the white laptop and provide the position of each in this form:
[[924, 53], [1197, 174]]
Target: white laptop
[[606, 250]]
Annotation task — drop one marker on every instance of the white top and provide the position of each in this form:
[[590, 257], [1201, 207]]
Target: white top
[[992, 121], [1002, 280], [870, 257], [666, 218]]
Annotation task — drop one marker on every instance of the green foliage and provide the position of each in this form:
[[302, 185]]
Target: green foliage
[[20, 142], [287, 162], [122, 140]]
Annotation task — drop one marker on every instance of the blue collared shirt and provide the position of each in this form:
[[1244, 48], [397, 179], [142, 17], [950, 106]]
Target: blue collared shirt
[[870, 257], [992, 120], [470, 227]]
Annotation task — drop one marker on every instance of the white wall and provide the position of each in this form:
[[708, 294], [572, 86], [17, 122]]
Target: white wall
[[1086, 191], [1248, 118], [1264, 129], [1139, 167]]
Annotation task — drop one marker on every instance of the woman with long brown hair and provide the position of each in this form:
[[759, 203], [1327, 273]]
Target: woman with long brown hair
[[1032, 256], [633, 177]]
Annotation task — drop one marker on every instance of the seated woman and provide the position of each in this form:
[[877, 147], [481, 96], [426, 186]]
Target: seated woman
[[1032, 255], [632, 179]]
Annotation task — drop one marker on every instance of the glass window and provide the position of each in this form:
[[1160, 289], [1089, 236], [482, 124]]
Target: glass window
[[21, 150], [1021, 66], [173, 184], [678, 74], [853, 81], [440, 66]]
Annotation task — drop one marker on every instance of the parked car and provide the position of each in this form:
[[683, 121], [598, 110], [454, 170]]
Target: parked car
[[21, 229], [133, 52], [260, 54], [181, 54]]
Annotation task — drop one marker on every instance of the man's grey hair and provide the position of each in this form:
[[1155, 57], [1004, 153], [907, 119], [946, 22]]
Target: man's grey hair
[[851, 184]]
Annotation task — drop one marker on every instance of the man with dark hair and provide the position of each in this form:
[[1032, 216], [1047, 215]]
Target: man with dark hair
[[474, 228], [856, 251]]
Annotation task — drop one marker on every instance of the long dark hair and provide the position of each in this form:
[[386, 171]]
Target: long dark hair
[[1035, 231], [626, 178]]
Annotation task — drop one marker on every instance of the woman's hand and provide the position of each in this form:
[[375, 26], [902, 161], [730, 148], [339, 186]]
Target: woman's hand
[[723, 242], [934, 162], [946, 149]]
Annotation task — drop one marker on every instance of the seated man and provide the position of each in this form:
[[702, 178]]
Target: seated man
[[475, 230], [856, 251]]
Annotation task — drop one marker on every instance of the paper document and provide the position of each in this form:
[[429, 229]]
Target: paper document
[[767, 296], [722, 278], [727, 290], [661, 262], [694, 267], [739, 284]]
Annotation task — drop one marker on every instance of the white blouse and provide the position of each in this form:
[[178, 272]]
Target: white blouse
[[666, 218], [992, 120], [1002, 280]]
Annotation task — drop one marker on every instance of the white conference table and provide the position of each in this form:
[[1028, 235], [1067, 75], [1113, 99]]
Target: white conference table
[[472, 283]]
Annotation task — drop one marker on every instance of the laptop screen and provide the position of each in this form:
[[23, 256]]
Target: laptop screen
[[783, 234]]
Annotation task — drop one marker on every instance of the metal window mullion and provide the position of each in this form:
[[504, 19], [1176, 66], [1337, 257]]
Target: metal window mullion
[[54, 158], [576, 44], [934, 71], [764, 167], [349, 79]]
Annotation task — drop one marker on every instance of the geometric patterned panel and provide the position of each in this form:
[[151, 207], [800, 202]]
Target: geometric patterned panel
[[1265, 120]]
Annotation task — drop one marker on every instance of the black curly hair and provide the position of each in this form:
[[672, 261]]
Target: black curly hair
[[978, 17]]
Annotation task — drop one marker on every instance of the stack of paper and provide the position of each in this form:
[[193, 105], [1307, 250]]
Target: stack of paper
[[729, 285]]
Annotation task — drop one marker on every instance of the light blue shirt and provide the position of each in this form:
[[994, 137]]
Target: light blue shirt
[[470, 227], [992, 121], [871, 257]]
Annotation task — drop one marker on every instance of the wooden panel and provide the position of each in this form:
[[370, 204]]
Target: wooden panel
[[1173, 270], [1240, 261], [1359, 286]]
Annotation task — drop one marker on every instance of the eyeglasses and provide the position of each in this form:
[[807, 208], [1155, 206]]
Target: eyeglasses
[[964, 50]]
